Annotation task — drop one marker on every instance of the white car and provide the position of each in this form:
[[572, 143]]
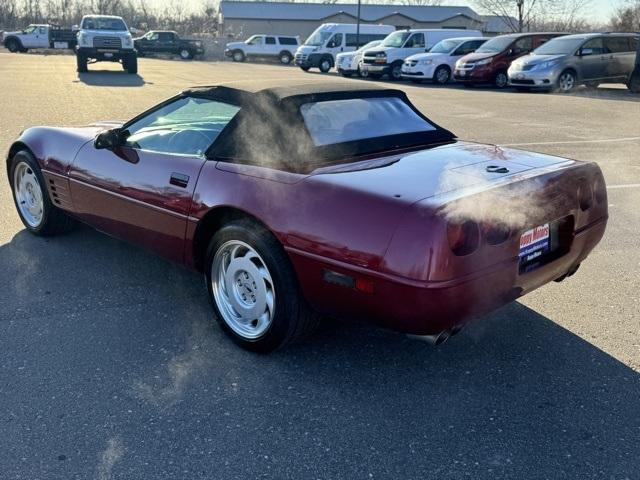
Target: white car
[[281, 47], [388, 57], [440, 61], [348, 63]]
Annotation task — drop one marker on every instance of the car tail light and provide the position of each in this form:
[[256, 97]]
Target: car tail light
[[464, 237], [585, 195], [497, 233], [599, 190]]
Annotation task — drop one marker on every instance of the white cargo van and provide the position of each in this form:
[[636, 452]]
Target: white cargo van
[[388, 57], [329, 39]]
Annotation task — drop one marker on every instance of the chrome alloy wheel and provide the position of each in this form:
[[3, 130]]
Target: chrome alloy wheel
[[566, 82], [28, 194], [243, 289], [442, 76], [184, 54]]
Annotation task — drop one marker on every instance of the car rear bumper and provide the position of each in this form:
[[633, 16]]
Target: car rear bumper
[[426, 308]]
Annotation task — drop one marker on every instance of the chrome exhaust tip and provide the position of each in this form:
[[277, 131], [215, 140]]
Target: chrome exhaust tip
[[436, 339]]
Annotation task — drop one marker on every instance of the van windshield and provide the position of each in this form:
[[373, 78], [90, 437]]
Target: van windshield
[[395, 40], [318, 38], [495, 45], [559, 46]]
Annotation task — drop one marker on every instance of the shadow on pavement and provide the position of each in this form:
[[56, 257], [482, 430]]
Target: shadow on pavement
[[113, 329], [111, 78]]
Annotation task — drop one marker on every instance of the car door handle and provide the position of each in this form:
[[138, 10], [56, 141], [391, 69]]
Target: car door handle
[[179, 179]]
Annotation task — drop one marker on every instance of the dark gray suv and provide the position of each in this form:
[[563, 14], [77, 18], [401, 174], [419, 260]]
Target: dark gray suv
[[563, 63]]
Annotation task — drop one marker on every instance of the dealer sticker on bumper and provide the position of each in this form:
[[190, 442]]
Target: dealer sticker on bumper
[[534, 243]]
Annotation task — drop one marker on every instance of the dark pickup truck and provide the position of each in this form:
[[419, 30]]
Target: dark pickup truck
[[165, 41]]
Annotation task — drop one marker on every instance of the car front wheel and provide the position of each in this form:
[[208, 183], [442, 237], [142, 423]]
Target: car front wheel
[[325, 65], [13, 46], [442, 75], [185, 54], [37, 212], [567, 81], [253, 288], [238, 56], [501, 80]]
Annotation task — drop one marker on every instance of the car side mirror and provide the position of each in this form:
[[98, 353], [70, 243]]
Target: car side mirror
[[109, 139], [585, 52]]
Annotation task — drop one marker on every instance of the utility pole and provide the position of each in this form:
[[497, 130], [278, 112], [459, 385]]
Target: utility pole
[[520, 4], [358, 26]]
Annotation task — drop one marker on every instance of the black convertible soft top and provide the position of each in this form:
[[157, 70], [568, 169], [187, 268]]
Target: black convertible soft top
[[270, 130]]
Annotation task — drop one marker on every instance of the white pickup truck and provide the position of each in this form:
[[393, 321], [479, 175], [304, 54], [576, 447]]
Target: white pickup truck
[[39, 36], [105, 38], [281, 47]]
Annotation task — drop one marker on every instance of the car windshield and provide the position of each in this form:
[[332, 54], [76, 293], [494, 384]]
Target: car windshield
[[559, 46], [396, 39], [318, 38], [104, 23], [338, 121], [495, 45], [186, 126], [445, 46]]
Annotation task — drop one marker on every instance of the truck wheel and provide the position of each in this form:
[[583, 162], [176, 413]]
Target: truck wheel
[[285, 58], [254, 290], [238, 56], [396, 71], [38, 214], [186, 54], [325, 64], [130, 64], [13, 45], [81, 60]]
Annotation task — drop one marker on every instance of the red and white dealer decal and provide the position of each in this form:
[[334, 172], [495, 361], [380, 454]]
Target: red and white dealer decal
[[534, 243]]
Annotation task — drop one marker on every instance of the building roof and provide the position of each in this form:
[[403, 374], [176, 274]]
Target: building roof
[[259, 10], [499, 24]]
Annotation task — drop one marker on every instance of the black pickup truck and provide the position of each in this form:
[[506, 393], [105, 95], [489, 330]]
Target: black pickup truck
[[166, 41]]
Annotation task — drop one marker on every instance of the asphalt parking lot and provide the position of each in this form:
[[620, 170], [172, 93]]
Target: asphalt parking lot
[[112, 368]]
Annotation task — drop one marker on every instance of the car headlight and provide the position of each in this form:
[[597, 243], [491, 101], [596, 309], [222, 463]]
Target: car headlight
[[486, 61], [198, 44], [544, 65], [426, 62]]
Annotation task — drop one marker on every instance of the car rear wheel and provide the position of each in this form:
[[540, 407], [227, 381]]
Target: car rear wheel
[[566, 81], [253, 288], [442, 75], [37, 212], [81, 62], [285, 58], [325, 65], [501, 80], [186, 54], [238, 56]]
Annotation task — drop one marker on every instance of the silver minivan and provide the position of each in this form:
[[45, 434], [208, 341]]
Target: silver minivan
[[565, 62]]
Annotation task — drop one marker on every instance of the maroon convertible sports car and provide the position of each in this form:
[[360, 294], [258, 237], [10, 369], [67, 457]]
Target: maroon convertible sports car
[[309, 200]]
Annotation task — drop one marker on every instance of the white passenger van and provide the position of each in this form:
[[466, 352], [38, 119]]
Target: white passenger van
[[329, 39], [388, 57]]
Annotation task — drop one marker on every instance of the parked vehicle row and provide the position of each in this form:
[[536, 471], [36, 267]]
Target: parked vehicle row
[[546, 60]]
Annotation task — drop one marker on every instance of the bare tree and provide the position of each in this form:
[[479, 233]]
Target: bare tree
[[627, 17], [523, 15]]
